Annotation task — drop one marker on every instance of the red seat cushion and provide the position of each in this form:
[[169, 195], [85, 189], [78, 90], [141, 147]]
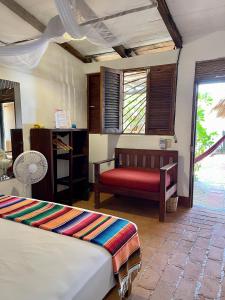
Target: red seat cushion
[[134, 178]]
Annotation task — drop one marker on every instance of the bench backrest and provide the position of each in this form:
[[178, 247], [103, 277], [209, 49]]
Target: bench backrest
[[144, 158]]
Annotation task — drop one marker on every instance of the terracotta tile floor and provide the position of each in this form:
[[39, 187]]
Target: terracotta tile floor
[[183, 258]]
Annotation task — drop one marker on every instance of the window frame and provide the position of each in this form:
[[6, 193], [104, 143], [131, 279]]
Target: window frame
[[172, 102], [168, 132], [134, 70]]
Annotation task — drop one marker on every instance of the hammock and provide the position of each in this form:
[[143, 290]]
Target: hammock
[[210, 150]]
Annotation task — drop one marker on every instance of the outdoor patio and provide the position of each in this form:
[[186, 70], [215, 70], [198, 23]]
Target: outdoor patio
[[209, 186]]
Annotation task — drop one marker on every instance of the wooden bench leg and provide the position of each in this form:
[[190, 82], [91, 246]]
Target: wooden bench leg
[[97, 199], [162, 209]]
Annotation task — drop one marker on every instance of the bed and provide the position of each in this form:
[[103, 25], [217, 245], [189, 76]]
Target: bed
[[38, 264]]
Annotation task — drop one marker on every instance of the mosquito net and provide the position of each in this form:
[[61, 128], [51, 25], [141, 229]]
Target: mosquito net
[[108, 25]]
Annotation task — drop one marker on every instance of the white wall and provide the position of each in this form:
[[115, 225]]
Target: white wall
[[58, 82], [109, 142], [208, 47]]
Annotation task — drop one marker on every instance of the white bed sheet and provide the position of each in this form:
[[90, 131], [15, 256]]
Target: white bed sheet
[[39, 265]]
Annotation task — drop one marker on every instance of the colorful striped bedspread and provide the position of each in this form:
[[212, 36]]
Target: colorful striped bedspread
[[118, 236]]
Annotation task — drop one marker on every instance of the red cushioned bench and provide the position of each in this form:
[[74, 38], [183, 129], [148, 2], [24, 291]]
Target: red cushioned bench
[[150, 174]]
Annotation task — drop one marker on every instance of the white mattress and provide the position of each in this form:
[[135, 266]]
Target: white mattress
[[39, 265]]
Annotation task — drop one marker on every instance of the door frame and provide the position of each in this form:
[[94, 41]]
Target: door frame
[[193, 131]]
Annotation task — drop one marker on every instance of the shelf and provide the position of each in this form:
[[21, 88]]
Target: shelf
[[67, 189], [66, 156], [68, 130], [79, 155], [66, 180]]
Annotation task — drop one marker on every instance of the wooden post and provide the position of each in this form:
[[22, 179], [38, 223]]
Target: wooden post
[[162, 201], [97, 193]]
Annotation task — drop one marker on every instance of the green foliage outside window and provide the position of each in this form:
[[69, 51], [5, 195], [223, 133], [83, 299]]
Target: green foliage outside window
[[204, 138]]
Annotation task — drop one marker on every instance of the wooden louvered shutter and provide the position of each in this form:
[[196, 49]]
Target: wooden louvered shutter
[[93, 89], [161, 98], [111, 100], [210, 70]]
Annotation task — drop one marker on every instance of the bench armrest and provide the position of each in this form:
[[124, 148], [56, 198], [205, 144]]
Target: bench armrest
[[168, 167], [172, 170], [103, 161], [97, 168]]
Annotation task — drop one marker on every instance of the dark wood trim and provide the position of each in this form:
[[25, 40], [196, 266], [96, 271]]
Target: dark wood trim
[[210, 71], [170, 24], [34, 22], [119, 14], [75, 52], [122, 51], [184, 201], [192, 145], [97, 119]]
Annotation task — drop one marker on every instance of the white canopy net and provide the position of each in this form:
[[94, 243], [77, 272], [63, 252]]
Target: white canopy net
[[78, 20]]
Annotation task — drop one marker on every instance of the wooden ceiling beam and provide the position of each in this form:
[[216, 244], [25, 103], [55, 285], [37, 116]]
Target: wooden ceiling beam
[[170, 24], [122, 51], [18, 10], [75, 52], [168, 45], [119, 14]]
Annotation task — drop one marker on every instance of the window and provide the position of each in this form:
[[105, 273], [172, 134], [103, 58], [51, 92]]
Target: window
[[138, 101], [134, 101]]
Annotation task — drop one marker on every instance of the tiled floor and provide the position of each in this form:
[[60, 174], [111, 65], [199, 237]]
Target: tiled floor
[[183, 258]]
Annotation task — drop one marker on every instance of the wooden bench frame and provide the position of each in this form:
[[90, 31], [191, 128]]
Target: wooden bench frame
[[166, 161]]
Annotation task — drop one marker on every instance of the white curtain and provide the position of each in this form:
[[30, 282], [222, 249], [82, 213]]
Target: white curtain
[[99, 26], [75, 12], [79, 20], [28, 54]]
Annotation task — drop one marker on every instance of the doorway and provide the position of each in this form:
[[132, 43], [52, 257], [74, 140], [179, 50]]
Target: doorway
[[209, 163]]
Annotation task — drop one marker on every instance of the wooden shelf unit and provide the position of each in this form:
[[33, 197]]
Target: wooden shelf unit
[[67, 176]]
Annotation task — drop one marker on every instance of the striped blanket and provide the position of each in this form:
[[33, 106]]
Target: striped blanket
[[118, 236]]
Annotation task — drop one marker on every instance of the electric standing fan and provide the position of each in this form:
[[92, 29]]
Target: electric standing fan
[[30, 167]]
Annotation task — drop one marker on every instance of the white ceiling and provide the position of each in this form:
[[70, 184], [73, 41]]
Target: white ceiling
[[13, 28], [194, 18], [43, 10], [141, 28]]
